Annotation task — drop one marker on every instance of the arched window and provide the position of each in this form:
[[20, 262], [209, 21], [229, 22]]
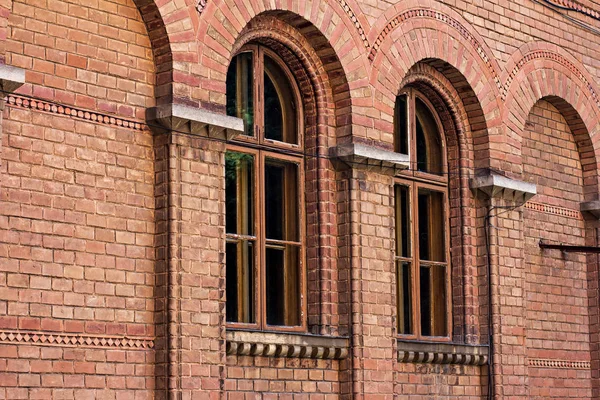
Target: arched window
[[422, 221], [264, 195]]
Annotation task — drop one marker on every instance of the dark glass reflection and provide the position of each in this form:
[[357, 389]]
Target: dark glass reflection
[[240, 90], [432, 285], [280, 105], [239, 256], [431, 225], [282, 285], [429, 145], [401, 124], [404, 288]]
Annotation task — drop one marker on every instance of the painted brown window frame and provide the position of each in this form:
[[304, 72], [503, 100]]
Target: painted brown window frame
[[261, 149], [414, 180]]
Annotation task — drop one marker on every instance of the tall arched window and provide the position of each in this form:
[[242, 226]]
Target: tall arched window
[[422, 221], [264, 195]]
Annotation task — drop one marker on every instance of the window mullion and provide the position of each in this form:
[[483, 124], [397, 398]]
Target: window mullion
[[260, 98], [415, 248]]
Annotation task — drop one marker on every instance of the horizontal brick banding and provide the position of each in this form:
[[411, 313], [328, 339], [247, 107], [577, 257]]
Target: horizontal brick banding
[[75, 340], [74, 112], [554, 210], [560, 364]]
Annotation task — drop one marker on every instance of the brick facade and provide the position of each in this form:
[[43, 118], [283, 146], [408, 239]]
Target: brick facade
[[112, 199]]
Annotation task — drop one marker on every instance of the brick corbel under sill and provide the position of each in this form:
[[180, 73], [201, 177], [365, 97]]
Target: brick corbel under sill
[[285, 344], [442, 353]]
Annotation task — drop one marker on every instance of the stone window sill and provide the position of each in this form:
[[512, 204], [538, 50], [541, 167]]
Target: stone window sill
[[442, 353], [285, 344]]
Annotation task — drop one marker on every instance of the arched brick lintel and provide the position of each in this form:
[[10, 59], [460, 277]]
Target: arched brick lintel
[[161, 48], [550, 78], [423, 41], [331, 35]]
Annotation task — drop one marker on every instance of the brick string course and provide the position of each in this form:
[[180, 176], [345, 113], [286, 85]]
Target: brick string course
[[112, 279]]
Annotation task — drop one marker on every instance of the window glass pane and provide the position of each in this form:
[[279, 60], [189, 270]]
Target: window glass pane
[[401, 125], [429, 146], [280, 105], [404, 287], [432, 287], [239, 259], [281, 200], [239, 184], [403, 228], [282, 285], [240, 91], [431, 225]]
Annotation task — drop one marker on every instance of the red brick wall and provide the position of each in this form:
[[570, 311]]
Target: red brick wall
[[77, 205], [275, 378], [111, 240]]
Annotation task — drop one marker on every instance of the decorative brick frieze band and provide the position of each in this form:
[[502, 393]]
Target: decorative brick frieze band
[[354, 19], [441, 17], [286, 345], [442, 353], [73, 112], [75, 340], [548, 209], [560, 364], [578, 7], [549, 55], [201, 5]]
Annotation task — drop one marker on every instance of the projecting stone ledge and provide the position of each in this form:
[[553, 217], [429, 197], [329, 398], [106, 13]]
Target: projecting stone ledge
[[11, 78], [591, 208], [494, 185], [357, 153], [195, 121]]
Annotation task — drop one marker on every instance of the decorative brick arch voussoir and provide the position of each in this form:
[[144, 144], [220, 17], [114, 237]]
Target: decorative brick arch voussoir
[[337, 33], [161, 48], [550, 76], [420, 37], [410, 12]]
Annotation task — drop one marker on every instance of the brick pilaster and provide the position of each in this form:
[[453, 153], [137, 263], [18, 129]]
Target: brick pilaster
[[190, 197], [373, 344], [506, 269]]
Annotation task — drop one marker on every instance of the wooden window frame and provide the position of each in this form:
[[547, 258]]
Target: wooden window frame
[[257, 137], [292, 153], [415, 180]]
